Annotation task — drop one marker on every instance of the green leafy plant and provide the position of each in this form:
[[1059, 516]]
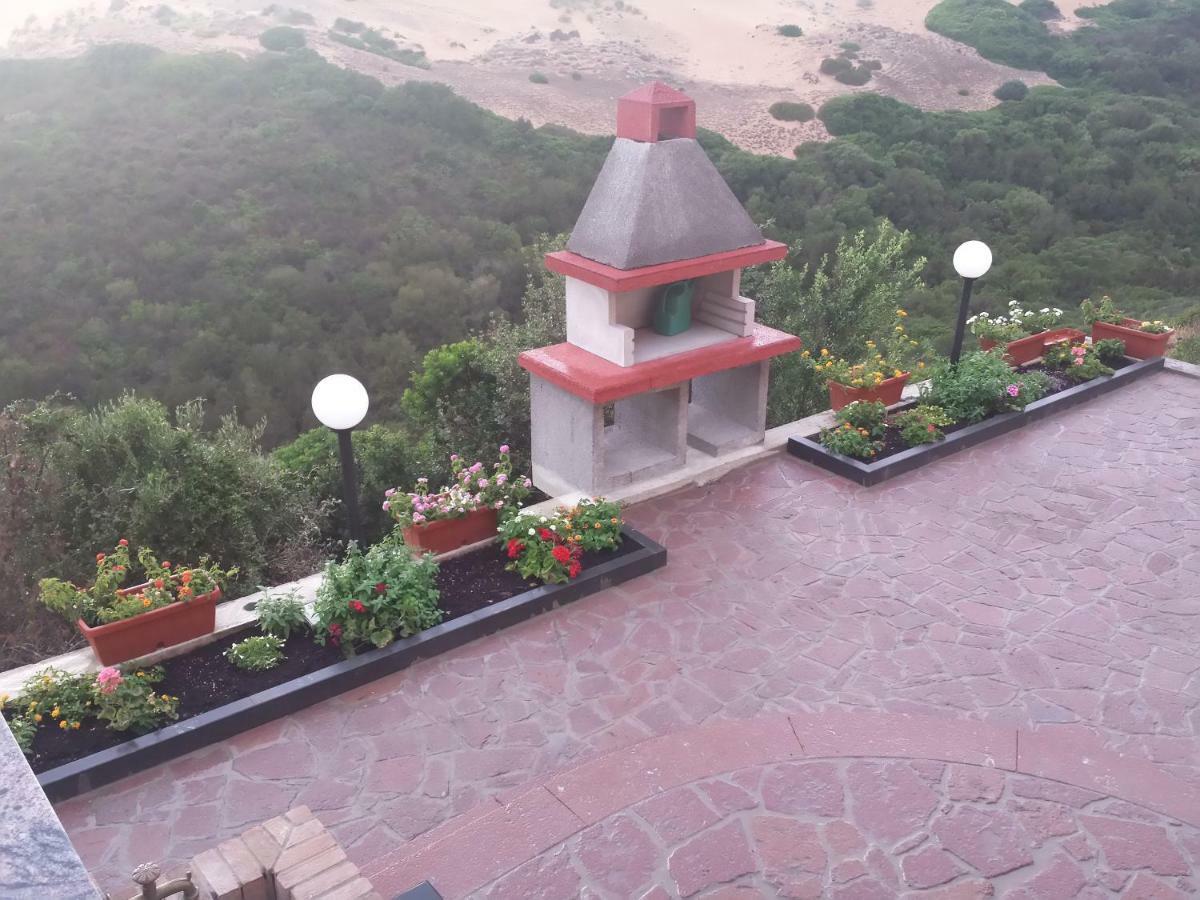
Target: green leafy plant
[[1106, 311], [792, 31], [1111, 351], [257, 653], [1078, 362], [596, 522], [980, 385], [281, 615], [376, 597], [850, 441], [789, 111], [1011, 90], [922, 424], [282, 38], [861, 415], [538, 78]]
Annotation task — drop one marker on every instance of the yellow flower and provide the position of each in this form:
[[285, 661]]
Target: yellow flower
[[871, 344], [615, 520], [805, 355], [900, 329], [912, 343], [63, 724], [3, 700], [920, 365], [1144, 324], [897, 374], [597, 525], [37, 717], [901, 313], [141, 674], [824, 352], [75, 725], [54, 713]]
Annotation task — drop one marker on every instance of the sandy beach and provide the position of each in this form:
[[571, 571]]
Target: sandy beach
[[730, 57]]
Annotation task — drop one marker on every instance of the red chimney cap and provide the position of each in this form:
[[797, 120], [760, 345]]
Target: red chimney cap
[[656, 112]]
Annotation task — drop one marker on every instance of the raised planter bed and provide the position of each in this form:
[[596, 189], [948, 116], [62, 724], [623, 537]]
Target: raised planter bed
[[868, 473], [142, 634], [887, 392], [478, 596]]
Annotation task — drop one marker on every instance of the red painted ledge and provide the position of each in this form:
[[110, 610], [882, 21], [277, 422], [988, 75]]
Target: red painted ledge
[[564, 262], [599, 381]]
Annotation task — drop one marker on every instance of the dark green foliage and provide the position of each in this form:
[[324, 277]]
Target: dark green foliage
[[538, 78], [1000, 31], [77, 481], [843, 69], [1011, 90], [792, 31], [1042, 9], [1110, 352], [360, 37], [238, 229], [864, 416], [787, 111], [282, 38], [281, 615], [979, 386]]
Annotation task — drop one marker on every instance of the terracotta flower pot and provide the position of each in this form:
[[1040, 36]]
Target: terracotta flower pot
[[1138, 344], [138, 635], [1027, 349], [886, 392], [449, 534]]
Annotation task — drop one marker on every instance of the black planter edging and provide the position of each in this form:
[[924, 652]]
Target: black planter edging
[[175, 740], [867, 474]]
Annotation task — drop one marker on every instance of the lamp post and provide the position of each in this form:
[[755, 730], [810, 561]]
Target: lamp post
[[340, 403], [971, 261]]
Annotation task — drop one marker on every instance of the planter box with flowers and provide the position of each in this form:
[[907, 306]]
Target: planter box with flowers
[[1024, 333], [1143, 340], [880, 376], [175, 604], [377, 611], [464, 512], [980, 398]]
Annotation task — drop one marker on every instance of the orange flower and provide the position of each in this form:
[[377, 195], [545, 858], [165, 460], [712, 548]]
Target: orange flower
[[185, 577], [158, 583], [185, 591], [145, 601]]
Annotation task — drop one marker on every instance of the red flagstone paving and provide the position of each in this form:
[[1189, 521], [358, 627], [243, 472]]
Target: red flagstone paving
[[1044, 581]]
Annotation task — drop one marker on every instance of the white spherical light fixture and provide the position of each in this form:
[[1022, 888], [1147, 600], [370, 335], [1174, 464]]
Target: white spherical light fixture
[[972, 259], [340, 402]]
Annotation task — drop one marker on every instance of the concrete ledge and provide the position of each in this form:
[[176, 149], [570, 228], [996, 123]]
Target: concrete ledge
[[1183, 368]]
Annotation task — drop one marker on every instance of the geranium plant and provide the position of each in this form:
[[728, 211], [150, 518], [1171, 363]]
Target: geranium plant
[[1078, 362], [376, 597], [859, 429], [550, 548], [922, 424], [474, 487], [104, 600]]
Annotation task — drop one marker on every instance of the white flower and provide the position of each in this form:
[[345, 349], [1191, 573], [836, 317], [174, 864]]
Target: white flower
[[543, 519], [532, 532], [1045, 309], [554, 528]]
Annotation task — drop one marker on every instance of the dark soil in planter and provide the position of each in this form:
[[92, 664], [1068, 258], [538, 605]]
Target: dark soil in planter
[[203, 679], [894, 444]]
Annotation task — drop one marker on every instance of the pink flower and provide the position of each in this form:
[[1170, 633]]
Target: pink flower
[[504, 448], [476, 467], [422, 480], [1078, 361], [389, 492], [386, 506], [109, 679], [528, 483], [483, 482], [501, 478], [1013, 390], [453, 457], [418, 518], [1079, 351]]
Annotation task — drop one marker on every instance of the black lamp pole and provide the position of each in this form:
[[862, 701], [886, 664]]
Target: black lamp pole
[[350, 486], [960, 328]]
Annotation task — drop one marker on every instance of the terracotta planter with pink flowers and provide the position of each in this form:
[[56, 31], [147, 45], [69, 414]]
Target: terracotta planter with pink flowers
[[1138, 344], [1025, 350], [444, 535]]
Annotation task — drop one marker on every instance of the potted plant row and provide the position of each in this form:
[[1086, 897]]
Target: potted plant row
[[1025, 333], [1142, 339], [878, 375], [376, 610], [463, 512], [174, 603]]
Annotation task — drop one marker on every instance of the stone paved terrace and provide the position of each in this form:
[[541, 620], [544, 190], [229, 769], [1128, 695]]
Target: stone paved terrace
[[1045, 585]]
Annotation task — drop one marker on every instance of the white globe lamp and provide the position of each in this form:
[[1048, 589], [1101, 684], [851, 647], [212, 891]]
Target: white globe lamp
[[971, 260], [340, 403]]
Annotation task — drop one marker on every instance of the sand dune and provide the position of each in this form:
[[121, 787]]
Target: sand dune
[[728, 55]]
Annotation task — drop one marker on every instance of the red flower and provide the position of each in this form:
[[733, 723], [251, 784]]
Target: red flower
[[122, 543], [357, 606], [576, 568], [381, 588], [166, 565], [158, 583], [335, 633], [99, 557], [545, 534], [931, 428], [515, 548], [561, 553]]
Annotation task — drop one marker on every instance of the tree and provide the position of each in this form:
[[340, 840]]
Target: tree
[[1011, 90], [282, 38]]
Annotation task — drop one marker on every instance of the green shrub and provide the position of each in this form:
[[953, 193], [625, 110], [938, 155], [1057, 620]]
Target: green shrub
[[550, 548], [282, 38], [862, 415], [792, 31], [1042, 9], [1000, 31], [281, 615], [256, 654], [133, 704], [922, 424], [1011, 90], [1078, 362], [850, 441], [538, 78], [376, 597], [845, 71], [980, 385], [787, 111]]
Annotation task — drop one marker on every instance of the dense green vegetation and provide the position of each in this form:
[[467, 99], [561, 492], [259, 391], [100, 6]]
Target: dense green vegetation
[[999, 30], [282, 38], [209, 226], [789, 111]]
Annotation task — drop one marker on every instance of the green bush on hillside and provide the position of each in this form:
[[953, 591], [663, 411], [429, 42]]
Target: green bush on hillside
[[793, 31], [1011, 90], [282, 38], [788, 111], [1042, 9], [1000, 31]]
